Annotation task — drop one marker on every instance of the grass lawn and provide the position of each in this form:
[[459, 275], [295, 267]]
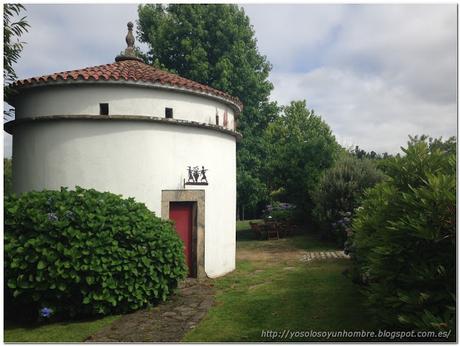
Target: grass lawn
[[244, 225], [56, 332], [281, 293], [247, 240]]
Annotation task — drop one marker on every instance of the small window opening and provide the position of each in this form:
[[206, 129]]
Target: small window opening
[[169, 113], [103, 108], [217, 120]]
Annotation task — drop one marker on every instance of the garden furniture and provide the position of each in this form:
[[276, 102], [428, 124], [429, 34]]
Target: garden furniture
[[272, 228], [257, 228]]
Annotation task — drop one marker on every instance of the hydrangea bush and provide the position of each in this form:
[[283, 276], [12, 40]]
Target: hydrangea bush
[[84, 252], [281, 211]]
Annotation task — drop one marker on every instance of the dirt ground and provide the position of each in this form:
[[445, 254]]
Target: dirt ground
[[269, 254]]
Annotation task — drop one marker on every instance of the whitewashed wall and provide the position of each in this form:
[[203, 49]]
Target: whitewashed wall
[[135, 159], [123, 99]]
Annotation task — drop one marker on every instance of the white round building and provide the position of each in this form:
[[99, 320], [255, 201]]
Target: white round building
[[135, 130]]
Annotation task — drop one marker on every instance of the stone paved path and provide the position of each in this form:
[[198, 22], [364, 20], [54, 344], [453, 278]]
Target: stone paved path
[[322, 255], [167, 322]]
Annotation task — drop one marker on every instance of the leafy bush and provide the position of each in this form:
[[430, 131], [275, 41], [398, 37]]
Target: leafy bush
[[84, 252], [339, 191], [404, 240]]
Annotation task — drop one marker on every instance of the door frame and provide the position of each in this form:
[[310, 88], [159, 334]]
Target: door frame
[[198, 223]]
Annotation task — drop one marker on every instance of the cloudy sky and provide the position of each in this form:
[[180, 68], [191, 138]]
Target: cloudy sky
[[375, 73]]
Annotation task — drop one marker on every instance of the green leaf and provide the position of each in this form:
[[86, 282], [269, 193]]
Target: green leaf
[[12, 283]]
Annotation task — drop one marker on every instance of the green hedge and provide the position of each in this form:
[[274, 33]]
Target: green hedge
[[404, 240], [84, 252]]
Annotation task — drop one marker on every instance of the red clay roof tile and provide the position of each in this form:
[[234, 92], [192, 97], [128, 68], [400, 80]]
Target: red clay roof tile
[[129, 70]]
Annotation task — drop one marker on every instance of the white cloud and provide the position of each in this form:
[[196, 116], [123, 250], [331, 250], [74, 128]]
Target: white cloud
[[366, 110], [411, 45], [65, 37], [290, 34], [375, 72]]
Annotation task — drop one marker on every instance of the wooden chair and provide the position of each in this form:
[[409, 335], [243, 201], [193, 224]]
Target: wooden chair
[[257, 228], [284, 229], [272, 230]]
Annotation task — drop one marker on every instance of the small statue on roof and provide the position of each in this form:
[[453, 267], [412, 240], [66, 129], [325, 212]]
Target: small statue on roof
[[130, 40], [129, 53]]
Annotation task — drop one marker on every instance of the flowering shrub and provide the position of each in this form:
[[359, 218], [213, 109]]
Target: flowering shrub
[[280, 211], [403, 242], [342, 229], [339, 191], [85, 252], [46, 312]]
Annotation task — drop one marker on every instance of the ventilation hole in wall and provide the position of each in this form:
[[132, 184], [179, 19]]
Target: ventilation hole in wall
[[169, 113], [103, 108], [217, 120]]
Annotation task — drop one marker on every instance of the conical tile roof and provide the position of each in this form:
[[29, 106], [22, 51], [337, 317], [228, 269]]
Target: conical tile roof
[[128, 70]]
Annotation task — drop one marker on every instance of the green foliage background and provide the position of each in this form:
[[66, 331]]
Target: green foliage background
[[404, 239], [84, 252], [300, 146]]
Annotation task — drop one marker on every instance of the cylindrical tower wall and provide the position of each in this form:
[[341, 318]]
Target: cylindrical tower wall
[[122, 99], [134, 158]]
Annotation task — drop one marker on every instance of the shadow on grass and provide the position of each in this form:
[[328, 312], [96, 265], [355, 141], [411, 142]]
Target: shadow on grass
[[246, 235]]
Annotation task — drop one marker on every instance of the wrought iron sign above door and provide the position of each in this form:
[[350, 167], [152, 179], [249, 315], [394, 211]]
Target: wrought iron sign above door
[[196, 176]]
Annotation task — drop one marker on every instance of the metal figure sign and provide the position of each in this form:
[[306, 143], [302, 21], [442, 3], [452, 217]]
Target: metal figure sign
[[196, 176]]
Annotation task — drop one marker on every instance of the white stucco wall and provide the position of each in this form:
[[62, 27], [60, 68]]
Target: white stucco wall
[[135, 159], [123, 99]]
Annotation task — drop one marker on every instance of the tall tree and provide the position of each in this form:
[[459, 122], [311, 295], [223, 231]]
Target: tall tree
[[301, 147], [12, 46], [214, 44]]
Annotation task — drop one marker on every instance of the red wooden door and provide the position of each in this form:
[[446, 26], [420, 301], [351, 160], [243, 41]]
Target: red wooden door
[[182, 214]]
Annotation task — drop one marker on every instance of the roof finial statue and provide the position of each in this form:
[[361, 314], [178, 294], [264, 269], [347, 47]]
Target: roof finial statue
[[130, 39], [129, 53]]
